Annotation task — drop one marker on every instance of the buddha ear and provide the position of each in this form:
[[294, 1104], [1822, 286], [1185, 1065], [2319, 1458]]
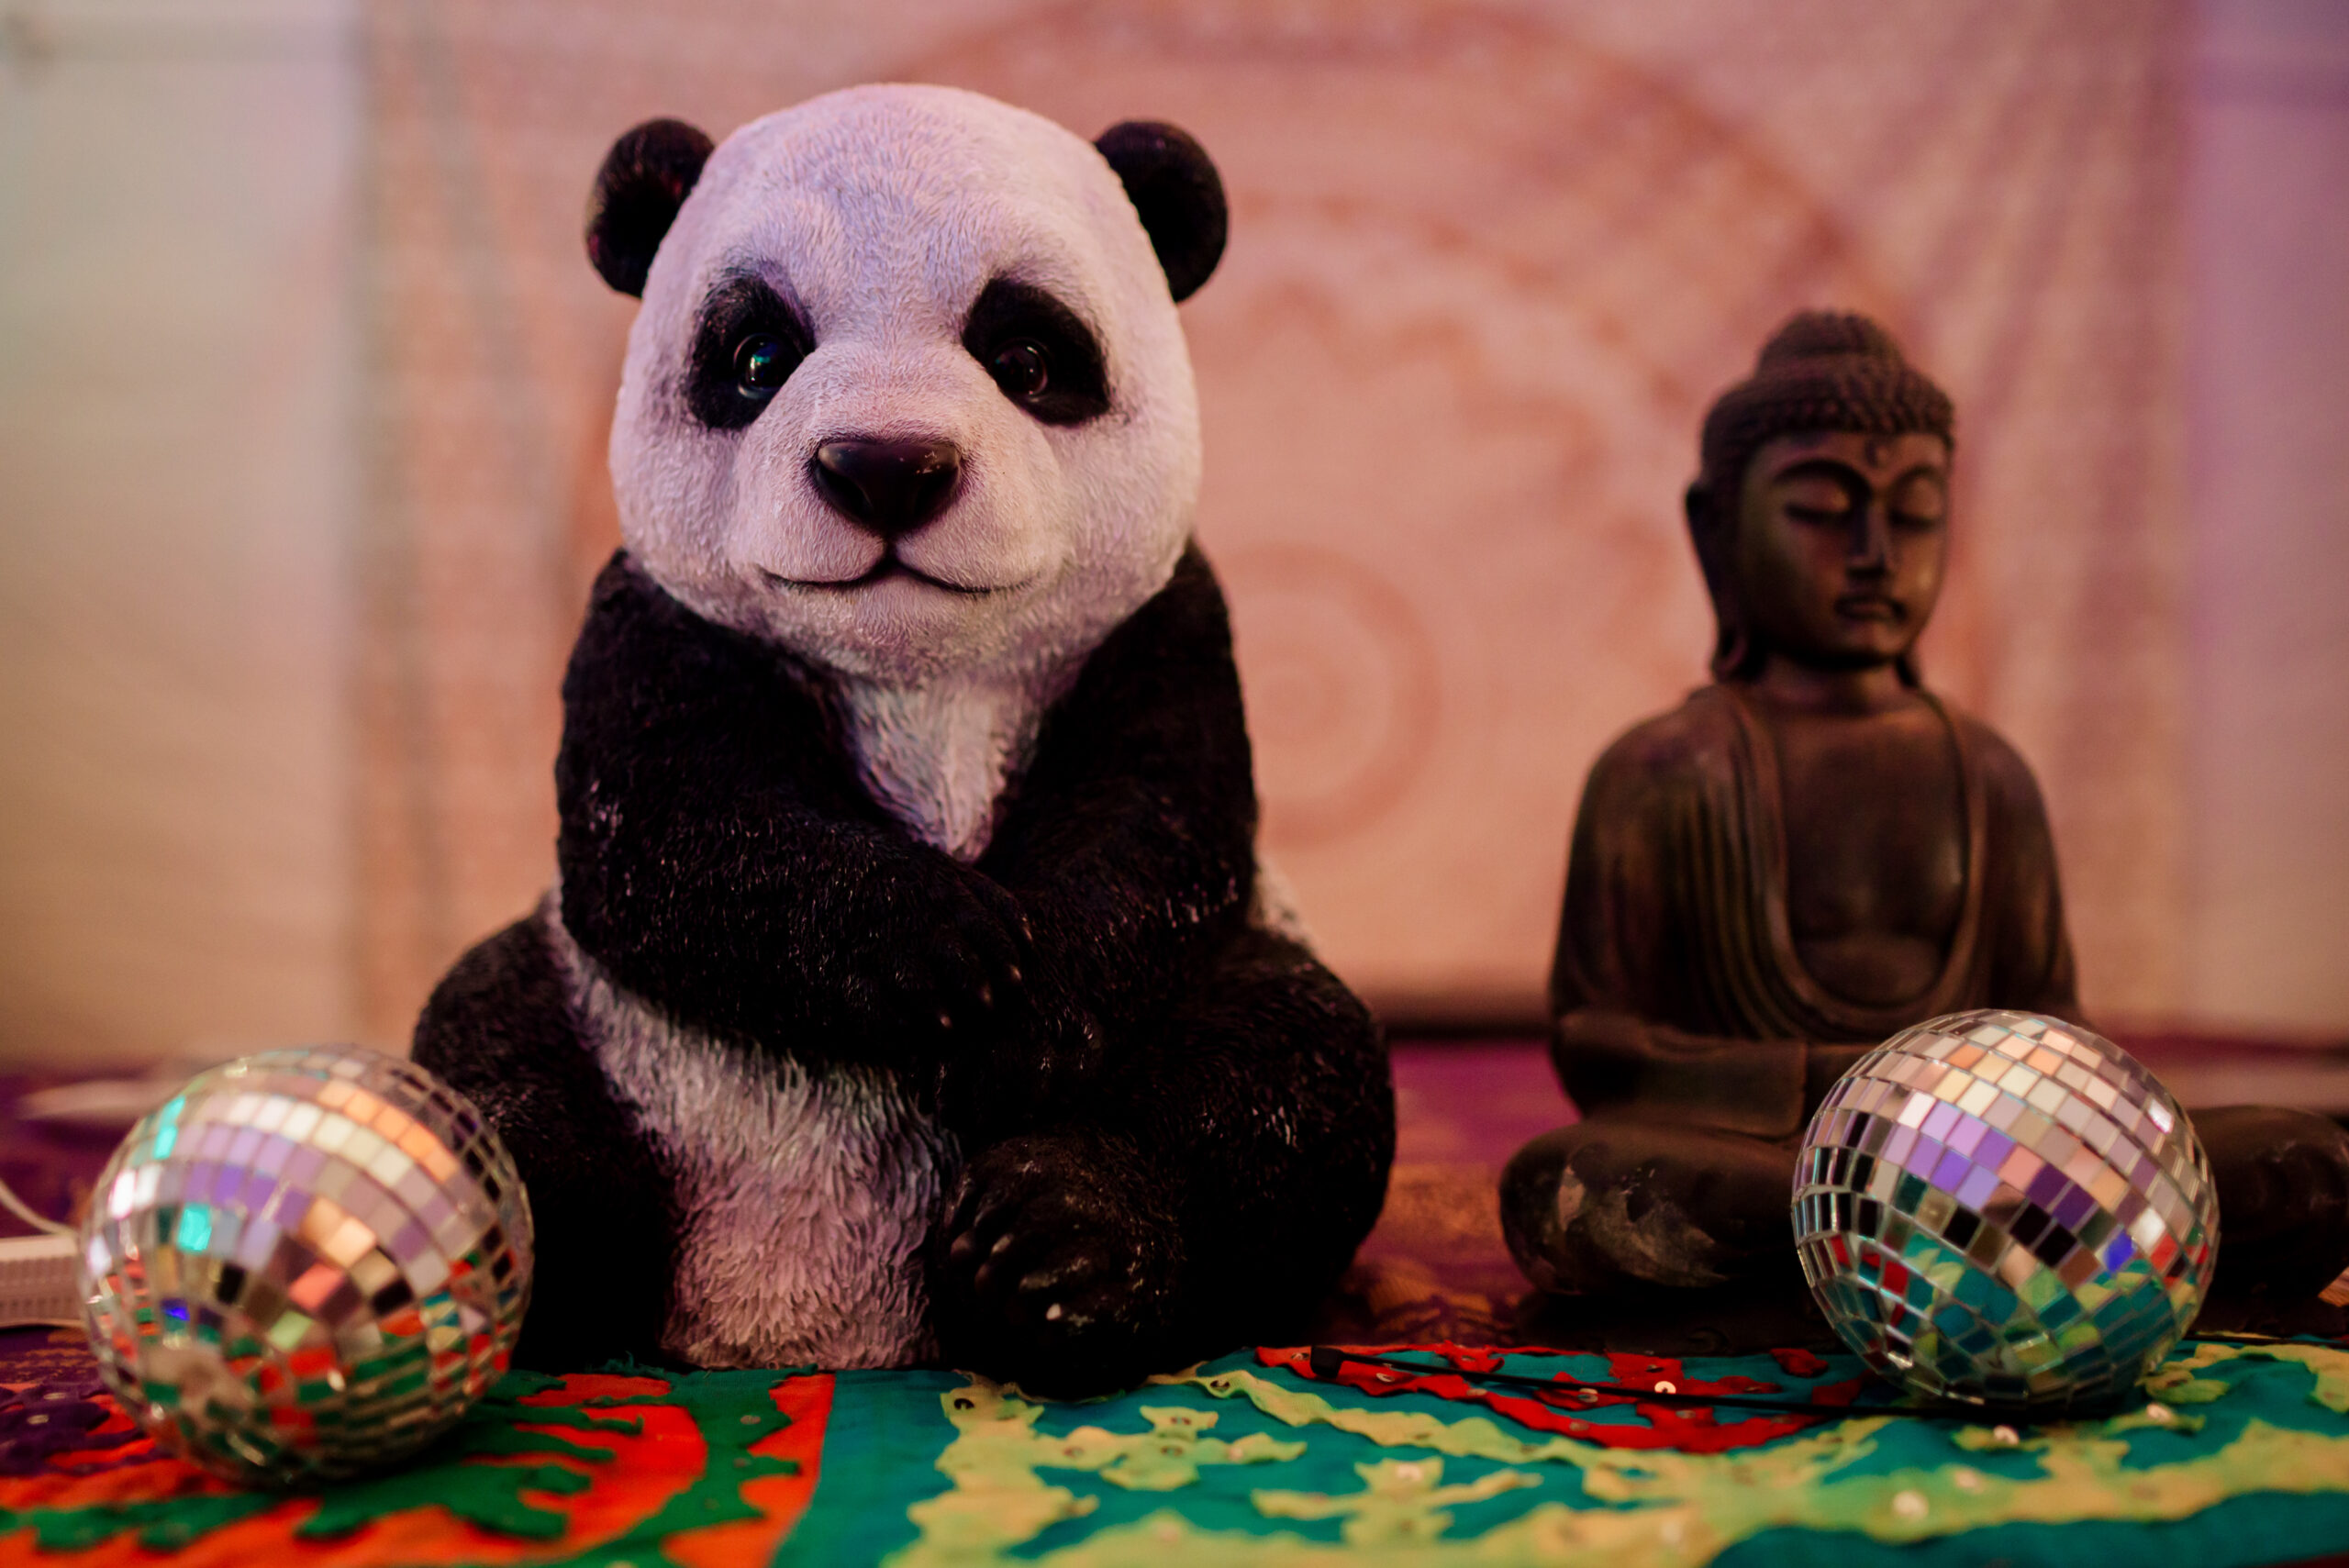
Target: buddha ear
[[645, 179], [1705, 533], [1175, 188], [1704, 527], [1696, 505], [1732, 644]]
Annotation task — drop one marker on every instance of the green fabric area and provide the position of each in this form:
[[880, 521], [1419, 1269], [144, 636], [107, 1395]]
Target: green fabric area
[[2243, 1459], [164, 1527], [880, 1446], [471, 1472]]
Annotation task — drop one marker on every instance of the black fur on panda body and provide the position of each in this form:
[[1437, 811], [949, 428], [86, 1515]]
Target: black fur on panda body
[[1176, 1124]]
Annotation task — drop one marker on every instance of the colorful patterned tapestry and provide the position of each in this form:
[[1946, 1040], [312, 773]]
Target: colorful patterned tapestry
[[2238, 1455]]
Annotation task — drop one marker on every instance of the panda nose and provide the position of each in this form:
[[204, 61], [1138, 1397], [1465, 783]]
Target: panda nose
[[890, 487]]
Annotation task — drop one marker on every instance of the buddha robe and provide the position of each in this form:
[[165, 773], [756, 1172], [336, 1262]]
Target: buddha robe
[[1677, 986], [1697, 1046], [1685, 1026]]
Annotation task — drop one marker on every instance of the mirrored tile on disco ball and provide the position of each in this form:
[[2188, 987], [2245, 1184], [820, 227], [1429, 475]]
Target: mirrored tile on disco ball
[[2002, 1208]]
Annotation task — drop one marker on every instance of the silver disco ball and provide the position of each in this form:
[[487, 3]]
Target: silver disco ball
[[2005, 1209], [305, 1264]]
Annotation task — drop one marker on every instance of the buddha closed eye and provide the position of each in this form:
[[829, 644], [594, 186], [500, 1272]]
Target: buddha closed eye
[[1826, 493]]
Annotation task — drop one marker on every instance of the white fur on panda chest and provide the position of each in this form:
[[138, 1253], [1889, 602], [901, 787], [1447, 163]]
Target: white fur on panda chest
[[805, 1196], [936, 756]]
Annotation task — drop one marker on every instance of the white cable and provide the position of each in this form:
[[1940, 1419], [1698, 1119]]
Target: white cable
[[25, 1212]]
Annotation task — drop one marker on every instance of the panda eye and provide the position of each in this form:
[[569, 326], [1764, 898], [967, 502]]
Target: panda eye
[[1022, 369], [763, 362], [1042, 353], [746, 344]]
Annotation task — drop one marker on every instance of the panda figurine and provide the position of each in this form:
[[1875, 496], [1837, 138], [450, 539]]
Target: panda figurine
[[906, 992]]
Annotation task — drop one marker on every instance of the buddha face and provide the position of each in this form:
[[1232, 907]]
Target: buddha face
[[1840, 543]]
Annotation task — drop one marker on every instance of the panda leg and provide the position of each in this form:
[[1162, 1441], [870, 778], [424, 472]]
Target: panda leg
[[499, 1027], [1213, 1196]]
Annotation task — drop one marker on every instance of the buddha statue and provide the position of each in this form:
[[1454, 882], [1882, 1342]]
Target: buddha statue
[[1809, 854]]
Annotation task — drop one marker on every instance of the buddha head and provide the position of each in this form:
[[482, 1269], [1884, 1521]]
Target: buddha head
[[1820, 515]]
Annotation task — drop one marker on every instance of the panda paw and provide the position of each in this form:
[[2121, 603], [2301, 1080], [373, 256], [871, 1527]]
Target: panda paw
[[1044, 1055], [1057, 1267], [947, 981]]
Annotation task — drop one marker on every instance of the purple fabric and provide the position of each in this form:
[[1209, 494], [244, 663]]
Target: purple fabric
[[50, 1403]]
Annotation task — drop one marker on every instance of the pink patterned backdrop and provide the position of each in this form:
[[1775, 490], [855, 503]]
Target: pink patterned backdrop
[[1488, 264]]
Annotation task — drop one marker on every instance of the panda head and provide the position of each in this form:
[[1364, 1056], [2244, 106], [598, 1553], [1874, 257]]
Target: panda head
[[907, 395]]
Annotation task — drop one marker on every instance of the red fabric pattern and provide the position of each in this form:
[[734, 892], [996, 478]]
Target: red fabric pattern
[[1687, 1428]]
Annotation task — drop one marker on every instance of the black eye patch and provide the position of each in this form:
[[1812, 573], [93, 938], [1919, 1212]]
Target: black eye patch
[[1043, 357], [746, 345]]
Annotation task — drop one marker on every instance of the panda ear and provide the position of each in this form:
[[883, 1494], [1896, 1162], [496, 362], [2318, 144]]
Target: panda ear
[[643, 182], [1174, 185]]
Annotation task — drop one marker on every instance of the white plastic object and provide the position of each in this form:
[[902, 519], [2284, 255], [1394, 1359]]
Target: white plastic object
[[37, 1282]]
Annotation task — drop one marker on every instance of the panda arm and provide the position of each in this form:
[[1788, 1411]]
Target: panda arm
[[1129, 841], [717, 858]]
